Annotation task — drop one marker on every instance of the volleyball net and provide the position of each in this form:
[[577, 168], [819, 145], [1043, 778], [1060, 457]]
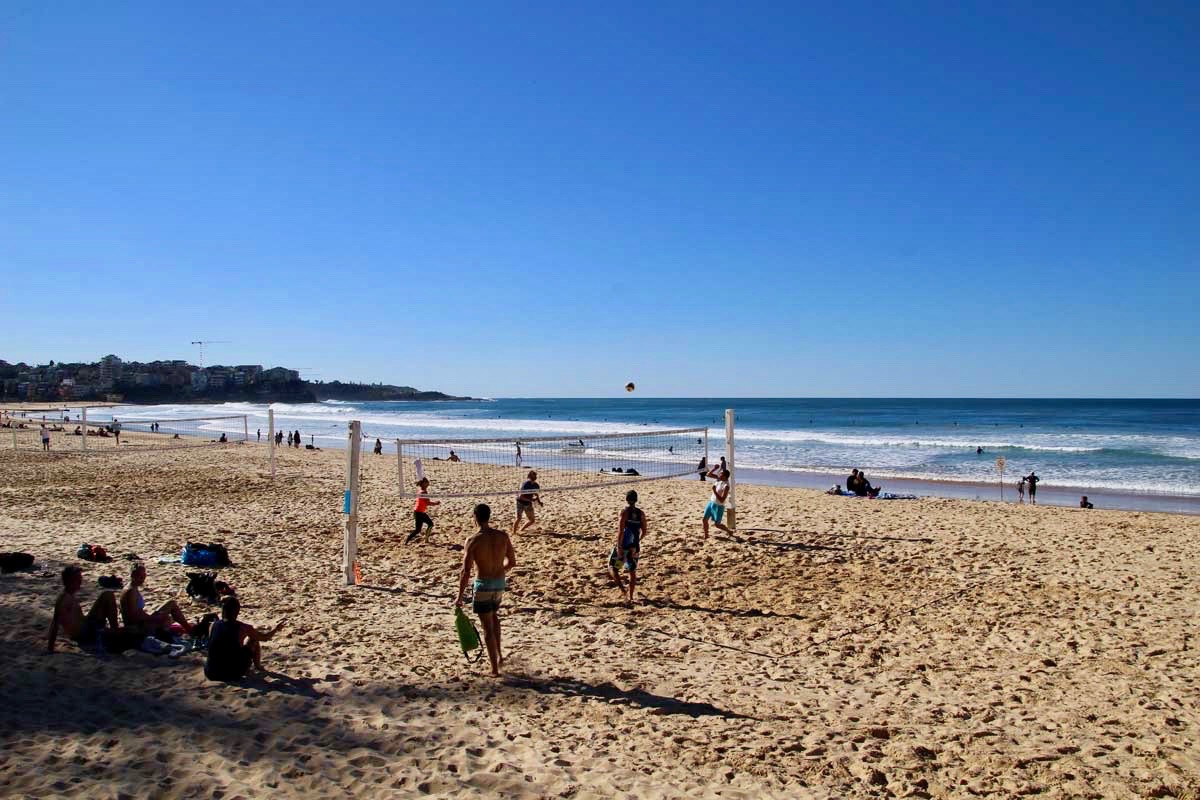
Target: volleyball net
[[77, 430], [487, 467]]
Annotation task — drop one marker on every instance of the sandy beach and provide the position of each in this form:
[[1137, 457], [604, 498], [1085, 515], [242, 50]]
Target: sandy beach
[[833, 647]]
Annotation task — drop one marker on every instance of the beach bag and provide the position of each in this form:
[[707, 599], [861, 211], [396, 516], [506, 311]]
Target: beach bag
[[92, 552], [204, 555], [205, 586], [11, 562], [468, 635]]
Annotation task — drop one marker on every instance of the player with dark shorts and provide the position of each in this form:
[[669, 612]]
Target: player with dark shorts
[[490, 553]]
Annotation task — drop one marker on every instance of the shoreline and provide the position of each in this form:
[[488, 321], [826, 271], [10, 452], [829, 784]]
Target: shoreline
[[1049, 495]]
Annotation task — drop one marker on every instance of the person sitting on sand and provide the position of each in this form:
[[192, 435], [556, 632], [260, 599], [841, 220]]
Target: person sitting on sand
[[490, 553], [133, 608], [68, 614], [453, 457], [715, 509], [631, 528], [525, 501], [1083, 502], [233, 646], [852, 481]]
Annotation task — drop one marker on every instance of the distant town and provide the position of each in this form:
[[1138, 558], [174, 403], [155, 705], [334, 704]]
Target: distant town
[[112, 379]]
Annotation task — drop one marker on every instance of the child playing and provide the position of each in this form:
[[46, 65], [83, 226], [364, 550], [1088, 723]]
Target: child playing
[[630, 530], [422, 505]]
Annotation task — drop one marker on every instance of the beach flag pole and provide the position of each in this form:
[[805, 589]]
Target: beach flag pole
[[1000, 467], [730, 503], [271, 438], [350, 503]]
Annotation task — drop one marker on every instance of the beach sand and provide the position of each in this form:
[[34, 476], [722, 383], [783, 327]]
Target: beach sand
[[834, 647]]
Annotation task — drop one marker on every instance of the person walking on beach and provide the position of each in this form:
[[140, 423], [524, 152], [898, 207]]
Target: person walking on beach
[[525, 501], [116, 429], [1021, 490], [702, 467], [296, 440], [45, 438], [421, 509], [715, 509], [1032, 481], [378, 447], [631, 528], [260, 434], [518, 455], [490, 553]]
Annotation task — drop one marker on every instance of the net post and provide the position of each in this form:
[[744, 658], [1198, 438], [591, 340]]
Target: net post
[[84, 429], [730, 503], [271, 438], [245, 428], [350, 502], [400, 468]]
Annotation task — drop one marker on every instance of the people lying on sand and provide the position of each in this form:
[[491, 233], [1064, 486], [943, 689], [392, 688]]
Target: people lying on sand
[[490, 553], [631, 529], [836, 490], [68, 614], [233, 646], [133, 608], [715, 509]]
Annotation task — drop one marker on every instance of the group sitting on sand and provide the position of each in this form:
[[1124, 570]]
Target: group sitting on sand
[[858, 485], [233, 646]]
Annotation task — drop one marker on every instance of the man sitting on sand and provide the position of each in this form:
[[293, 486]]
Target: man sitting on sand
[[133, 608], [233, 646], [490, 553], [1083, 502], [68, 614]]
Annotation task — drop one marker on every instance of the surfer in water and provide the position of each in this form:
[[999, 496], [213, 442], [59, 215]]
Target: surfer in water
[[490, 553]]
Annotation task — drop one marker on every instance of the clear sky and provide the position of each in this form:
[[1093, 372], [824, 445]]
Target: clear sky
[[549, 199]]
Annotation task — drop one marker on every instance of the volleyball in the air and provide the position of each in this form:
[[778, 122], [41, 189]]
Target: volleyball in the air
[[629, 386]]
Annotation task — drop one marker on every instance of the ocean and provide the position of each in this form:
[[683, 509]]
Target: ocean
[[1126, 447]]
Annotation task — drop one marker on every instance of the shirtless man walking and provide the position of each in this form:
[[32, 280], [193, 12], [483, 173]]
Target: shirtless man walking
[[68, 614], [490, 553]]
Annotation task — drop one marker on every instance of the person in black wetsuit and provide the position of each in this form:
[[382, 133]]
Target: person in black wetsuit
[[233, 646]]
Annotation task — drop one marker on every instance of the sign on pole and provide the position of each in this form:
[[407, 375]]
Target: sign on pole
[[1000, 466]]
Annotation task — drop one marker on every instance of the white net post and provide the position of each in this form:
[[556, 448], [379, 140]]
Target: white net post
[[84, 429], [400, 467], [271, 438], [245, 428], [350, 502], [730, 503]]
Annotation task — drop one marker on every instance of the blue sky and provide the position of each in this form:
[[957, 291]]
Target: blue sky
[[549, 199]]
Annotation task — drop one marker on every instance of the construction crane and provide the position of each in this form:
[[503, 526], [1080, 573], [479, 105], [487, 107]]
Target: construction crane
[[208, 341]]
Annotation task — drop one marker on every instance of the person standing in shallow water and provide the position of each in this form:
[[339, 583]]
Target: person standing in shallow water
[[1031, 480], [490, 554]]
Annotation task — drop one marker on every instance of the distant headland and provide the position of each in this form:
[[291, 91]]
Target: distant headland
[[112, 379]]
